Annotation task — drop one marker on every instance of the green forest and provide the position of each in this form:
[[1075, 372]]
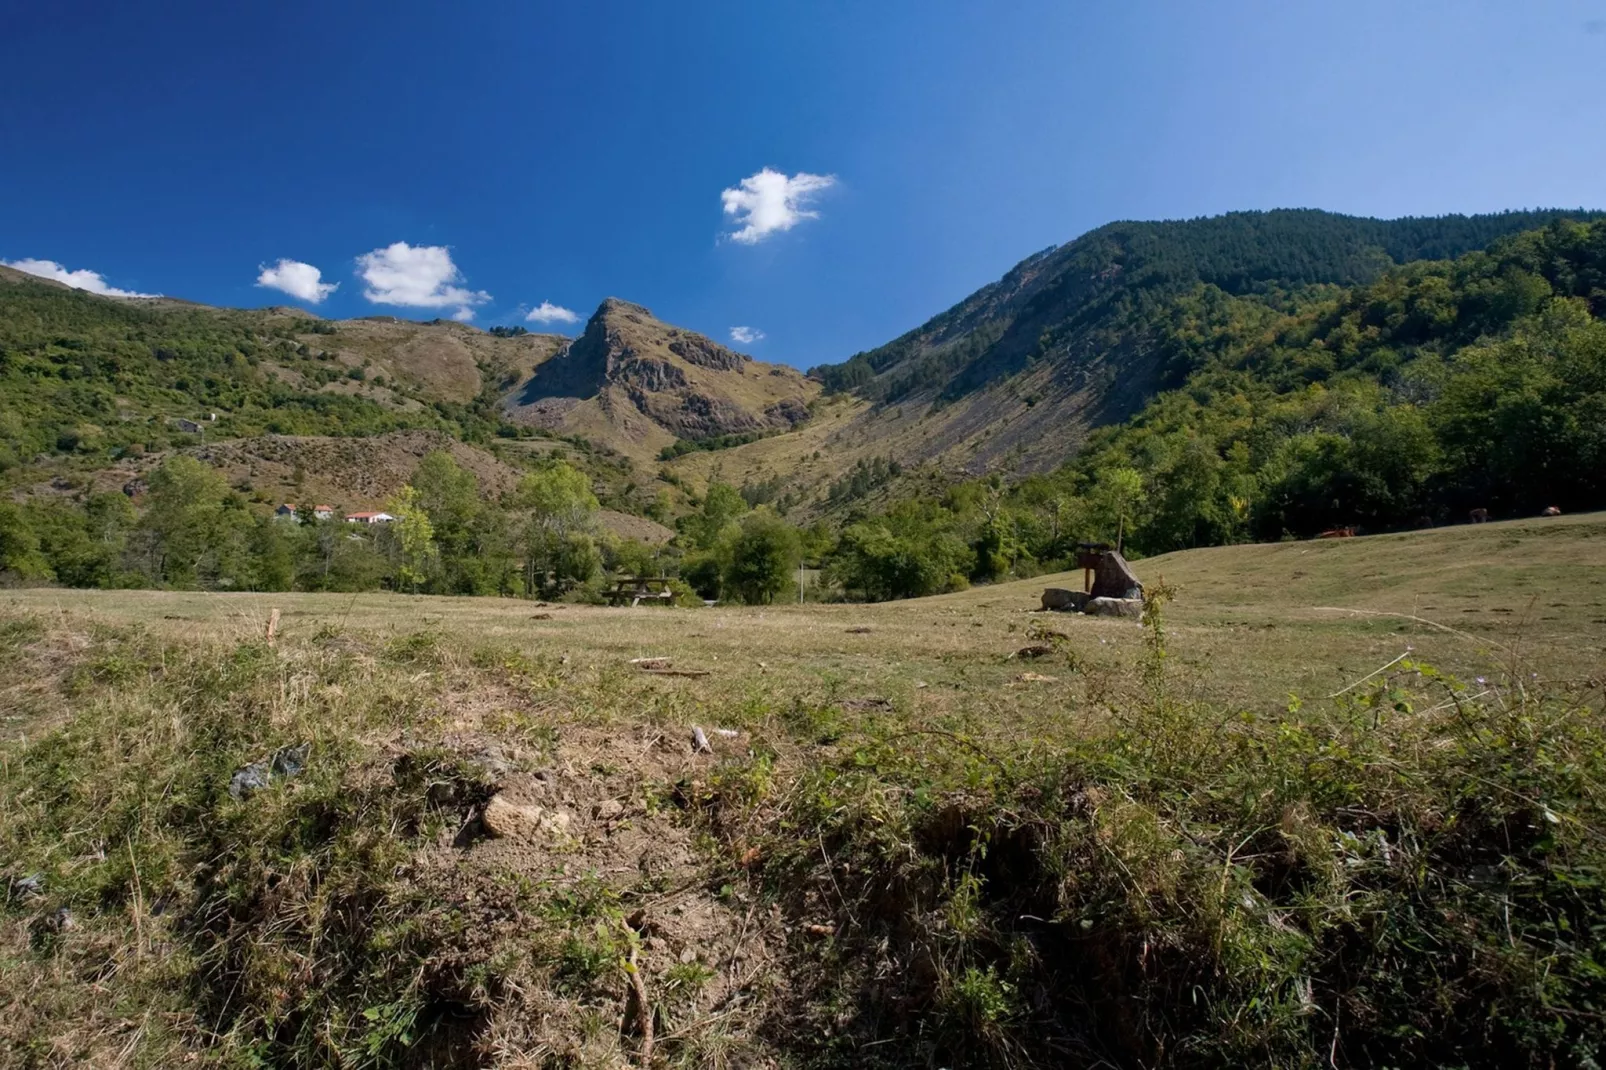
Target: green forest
[[1323, 390]]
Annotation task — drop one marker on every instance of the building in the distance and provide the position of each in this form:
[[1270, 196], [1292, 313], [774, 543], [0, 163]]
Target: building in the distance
[[369, 518], [285, 512], [323, 512]]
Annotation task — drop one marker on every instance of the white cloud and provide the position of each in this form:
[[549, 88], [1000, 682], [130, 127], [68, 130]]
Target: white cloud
[[82, 279], [547, 312], [746, 335], [417, 276], [301, 281], [769, 202], [463, 315]]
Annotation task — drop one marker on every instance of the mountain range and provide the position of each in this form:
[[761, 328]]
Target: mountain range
[[1012, 379]]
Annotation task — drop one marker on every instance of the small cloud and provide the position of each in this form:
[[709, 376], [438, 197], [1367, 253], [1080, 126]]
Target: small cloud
[[547, 312], [417, 276], [463, 315], [82, 279], [299, 280], [770, 202], [746, 335]]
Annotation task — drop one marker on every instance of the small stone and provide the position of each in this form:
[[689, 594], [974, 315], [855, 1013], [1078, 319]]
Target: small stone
[[608, 809], [248, 780], [514, 819], [688, 955]]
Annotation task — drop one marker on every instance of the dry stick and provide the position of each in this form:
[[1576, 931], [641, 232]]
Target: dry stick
[[273, 624], [1402, 616], [643, 1009], [139, 903], [1369, 675]]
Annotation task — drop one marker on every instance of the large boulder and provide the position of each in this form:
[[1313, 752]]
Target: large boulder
[[1116, 607], [1062, 600]]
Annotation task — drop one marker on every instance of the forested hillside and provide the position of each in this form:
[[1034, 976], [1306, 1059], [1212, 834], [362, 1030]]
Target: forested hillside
[[1439, 388], [1014, 377]]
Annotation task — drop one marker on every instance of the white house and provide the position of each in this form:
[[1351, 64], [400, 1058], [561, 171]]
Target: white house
[[369, 518], [323, 512]]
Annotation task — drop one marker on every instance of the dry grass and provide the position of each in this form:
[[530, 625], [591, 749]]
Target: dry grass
[[1250, 624], [919, 846]]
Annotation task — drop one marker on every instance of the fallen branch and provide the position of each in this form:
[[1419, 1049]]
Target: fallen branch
[[676, 672], [643, 1009]]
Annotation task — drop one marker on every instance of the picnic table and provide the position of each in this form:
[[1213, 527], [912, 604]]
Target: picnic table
[[638, 589]]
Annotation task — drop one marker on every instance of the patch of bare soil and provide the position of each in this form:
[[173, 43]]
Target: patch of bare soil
[[580, 847]]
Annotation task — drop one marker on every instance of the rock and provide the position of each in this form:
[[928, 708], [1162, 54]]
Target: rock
[[688, 955], [1062, 600], [1036, 650], [1116, 607], [608, 809], [649, 664], [516, 819], [1036, 678], [248, 780], [283, 763], [289, 761], [699, 742]]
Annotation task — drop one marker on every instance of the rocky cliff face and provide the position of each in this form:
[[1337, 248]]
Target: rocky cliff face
[[650, 383]]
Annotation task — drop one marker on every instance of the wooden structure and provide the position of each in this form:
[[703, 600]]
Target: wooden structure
[[1105, 573], [638, 589]]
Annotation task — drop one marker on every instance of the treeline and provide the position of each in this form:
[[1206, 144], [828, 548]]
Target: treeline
[[190, 530], [682, 446]]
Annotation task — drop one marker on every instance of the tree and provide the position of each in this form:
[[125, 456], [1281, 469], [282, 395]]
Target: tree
[[559, 503], [721, 505], [413, 537], [449, 495], [20, 559], [1117, 491], [192, 526], [760, 557]]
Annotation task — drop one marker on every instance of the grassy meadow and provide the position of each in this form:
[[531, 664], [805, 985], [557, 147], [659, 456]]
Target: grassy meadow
[[1333, 803]]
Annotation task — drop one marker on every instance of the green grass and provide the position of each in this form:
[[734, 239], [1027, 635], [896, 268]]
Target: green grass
[[911, 854]]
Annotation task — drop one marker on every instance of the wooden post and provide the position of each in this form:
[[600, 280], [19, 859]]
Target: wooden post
[[273, 625]]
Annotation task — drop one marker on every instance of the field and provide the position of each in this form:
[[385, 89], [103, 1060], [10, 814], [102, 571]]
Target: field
[[949, 829]]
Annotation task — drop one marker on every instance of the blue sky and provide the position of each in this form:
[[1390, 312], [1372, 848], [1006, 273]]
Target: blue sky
[[561, 153]]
